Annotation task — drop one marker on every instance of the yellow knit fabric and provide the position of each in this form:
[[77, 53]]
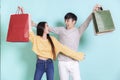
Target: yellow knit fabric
[[42, 48]]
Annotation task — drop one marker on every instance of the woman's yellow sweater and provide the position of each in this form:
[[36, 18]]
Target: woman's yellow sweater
[[43, 48]]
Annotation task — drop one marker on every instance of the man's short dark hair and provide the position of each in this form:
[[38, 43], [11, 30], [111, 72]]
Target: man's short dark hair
[[70, 16]]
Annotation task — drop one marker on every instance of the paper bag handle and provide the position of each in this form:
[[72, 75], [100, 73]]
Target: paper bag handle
[[20, 10], [100, 8]]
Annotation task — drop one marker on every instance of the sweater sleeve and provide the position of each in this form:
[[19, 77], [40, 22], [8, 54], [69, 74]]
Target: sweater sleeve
[[31, 36], [66, 51], [85, 24]]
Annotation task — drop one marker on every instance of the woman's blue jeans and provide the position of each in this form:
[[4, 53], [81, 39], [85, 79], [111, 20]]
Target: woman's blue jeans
[[44, 66]]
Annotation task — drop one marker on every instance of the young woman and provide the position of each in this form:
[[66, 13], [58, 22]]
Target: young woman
[[47, 48]]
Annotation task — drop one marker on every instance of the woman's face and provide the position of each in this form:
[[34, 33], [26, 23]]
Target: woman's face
[[46, 30]]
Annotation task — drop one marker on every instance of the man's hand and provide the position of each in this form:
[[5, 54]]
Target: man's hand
[[96, 7]]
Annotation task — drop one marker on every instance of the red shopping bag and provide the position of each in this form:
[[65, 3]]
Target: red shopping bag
[[18, 30]]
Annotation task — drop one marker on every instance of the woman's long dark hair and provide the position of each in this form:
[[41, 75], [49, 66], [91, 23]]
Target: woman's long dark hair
[[40, 31]]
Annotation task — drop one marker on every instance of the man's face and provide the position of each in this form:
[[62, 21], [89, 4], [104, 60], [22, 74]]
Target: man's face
[[70, 23]]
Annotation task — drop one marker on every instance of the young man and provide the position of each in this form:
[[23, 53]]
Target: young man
[[70, 36]]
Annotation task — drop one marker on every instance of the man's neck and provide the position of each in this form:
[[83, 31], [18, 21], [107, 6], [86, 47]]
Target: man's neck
[[70, 27]]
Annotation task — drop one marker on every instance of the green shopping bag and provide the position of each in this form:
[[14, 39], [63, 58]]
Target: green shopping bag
[[102, 21]]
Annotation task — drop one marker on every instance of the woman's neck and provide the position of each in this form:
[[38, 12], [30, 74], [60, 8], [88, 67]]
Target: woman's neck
[[44, 36]]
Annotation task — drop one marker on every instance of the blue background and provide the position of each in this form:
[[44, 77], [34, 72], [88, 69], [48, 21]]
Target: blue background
[[102, 52]]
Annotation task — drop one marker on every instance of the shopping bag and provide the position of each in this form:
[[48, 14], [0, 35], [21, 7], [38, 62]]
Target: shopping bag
[[18, 30], [102, 21]]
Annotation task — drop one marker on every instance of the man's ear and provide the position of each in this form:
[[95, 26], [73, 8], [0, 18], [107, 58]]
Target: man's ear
[[74, 21]]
